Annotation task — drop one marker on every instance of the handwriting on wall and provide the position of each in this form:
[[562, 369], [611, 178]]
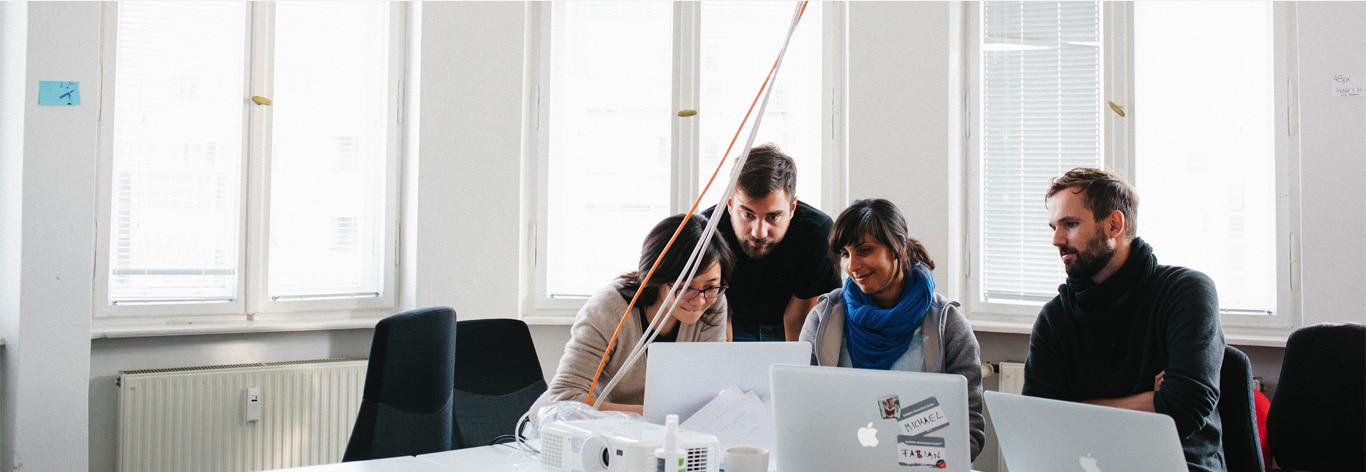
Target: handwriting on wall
[[1346, 86]]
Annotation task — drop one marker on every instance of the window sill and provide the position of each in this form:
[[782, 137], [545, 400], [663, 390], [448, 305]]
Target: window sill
[[1234, 338], [1254, 340], [1006, 327], [548, 320], [186, 327]]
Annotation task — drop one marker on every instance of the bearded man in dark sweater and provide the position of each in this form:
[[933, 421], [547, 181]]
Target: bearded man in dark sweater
[[1125, 331]]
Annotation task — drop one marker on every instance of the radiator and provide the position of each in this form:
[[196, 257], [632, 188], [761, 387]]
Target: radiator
[[1012, 378], [197, 418], [1011, 381]]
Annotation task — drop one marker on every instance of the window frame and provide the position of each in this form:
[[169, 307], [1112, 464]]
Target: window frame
[[252, 302], [684, 135], [1117, 145]]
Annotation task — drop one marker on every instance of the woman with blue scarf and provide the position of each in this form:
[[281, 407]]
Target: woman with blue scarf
[[887, 315]]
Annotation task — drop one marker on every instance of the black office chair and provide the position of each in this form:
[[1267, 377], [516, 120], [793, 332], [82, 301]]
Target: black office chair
[[406, 406], [497, 378], [1317, 420], [1242, 448]]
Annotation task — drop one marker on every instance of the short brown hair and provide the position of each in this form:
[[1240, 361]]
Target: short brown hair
[[1105, 192], [768, 169]]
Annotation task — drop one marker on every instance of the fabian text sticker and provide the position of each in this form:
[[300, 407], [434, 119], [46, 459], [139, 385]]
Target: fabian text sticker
[[923, 417], [920, 451]]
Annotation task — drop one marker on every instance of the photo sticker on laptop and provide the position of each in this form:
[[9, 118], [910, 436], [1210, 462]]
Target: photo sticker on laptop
[[891, 407], [923, 417]]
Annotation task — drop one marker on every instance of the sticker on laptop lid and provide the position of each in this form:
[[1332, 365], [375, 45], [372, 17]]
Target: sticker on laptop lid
[[923, 417], [890, 407], [920, 451]]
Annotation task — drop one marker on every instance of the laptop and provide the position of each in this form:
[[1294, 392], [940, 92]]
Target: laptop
[[681, 378], [840, 418], [1045, 434]]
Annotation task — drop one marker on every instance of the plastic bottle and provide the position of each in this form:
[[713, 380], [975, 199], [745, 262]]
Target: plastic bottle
[[670, 457]]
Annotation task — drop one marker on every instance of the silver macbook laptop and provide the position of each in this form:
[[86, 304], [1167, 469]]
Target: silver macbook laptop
[[680, 378], [1043, 434], [839, 418]]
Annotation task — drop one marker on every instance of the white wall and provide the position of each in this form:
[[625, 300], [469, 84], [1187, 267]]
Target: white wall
[[901, 110], [470, 157], [1332, 41], [48, 340], [57, 383]]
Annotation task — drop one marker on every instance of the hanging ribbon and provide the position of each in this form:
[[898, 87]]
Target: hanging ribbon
[[671, 300]]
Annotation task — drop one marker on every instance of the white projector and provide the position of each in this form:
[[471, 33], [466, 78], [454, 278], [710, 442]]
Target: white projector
[[618, 445]]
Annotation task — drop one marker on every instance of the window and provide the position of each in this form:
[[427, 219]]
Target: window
[[612, 155], [252, 152], [1202, 138], [1209, 135], [1040, 83]]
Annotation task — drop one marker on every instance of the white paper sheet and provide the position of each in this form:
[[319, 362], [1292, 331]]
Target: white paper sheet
[[736, 418]]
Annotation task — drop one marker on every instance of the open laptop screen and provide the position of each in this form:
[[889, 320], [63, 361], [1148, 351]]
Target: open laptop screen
[[1045, 434], [682, 377]]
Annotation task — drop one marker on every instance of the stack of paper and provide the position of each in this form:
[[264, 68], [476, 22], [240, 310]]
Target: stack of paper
[[736, 418]]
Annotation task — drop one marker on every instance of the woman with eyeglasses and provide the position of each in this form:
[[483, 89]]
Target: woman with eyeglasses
[[887, 316], [700, 315]]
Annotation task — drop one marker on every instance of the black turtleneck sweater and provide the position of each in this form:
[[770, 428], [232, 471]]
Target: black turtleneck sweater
[[1110, 340]]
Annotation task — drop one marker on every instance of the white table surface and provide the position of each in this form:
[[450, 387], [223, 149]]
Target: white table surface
[[497, 458], [392, 464]]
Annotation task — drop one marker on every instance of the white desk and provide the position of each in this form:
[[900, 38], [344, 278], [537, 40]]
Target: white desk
[[392, 464], [498, 458]]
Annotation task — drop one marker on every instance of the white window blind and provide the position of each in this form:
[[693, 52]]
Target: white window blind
[[740, 41], [1040, 116], [610, 158], [329, 149], [177, 152], [1205, 143], [234, 206]]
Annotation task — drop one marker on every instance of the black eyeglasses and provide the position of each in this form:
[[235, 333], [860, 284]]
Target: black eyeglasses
[[713, 292]]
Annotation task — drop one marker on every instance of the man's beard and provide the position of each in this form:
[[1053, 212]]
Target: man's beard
[[1088, 263], [756, 253]]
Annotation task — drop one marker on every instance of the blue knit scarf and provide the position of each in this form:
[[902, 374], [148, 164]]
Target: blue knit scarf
[[877, 336]]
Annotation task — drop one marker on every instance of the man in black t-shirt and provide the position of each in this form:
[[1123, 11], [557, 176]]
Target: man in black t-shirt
[[781, 250]]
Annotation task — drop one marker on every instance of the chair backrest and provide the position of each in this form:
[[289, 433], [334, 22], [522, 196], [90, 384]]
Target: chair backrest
[[1238, 412], [1317, 420], [497, 378], [406, 405]]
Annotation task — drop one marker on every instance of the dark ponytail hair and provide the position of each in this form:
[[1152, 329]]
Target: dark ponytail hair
[[883, 221], [672, 266]]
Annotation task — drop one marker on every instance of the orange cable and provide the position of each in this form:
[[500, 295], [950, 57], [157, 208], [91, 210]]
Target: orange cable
[[687, 216]]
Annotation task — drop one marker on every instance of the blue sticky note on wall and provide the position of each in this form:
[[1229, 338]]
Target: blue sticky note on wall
[[56, 93]]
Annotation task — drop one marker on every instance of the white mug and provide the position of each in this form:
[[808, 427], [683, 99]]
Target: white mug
[[745, 459]]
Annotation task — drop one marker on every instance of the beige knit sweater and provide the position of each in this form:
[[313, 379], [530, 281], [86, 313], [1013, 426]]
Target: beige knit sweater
[[589, 336]]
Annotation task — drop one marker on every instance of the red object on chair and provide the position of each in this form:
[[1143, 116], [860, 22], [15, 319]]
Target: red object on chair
[[1263, 405]]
